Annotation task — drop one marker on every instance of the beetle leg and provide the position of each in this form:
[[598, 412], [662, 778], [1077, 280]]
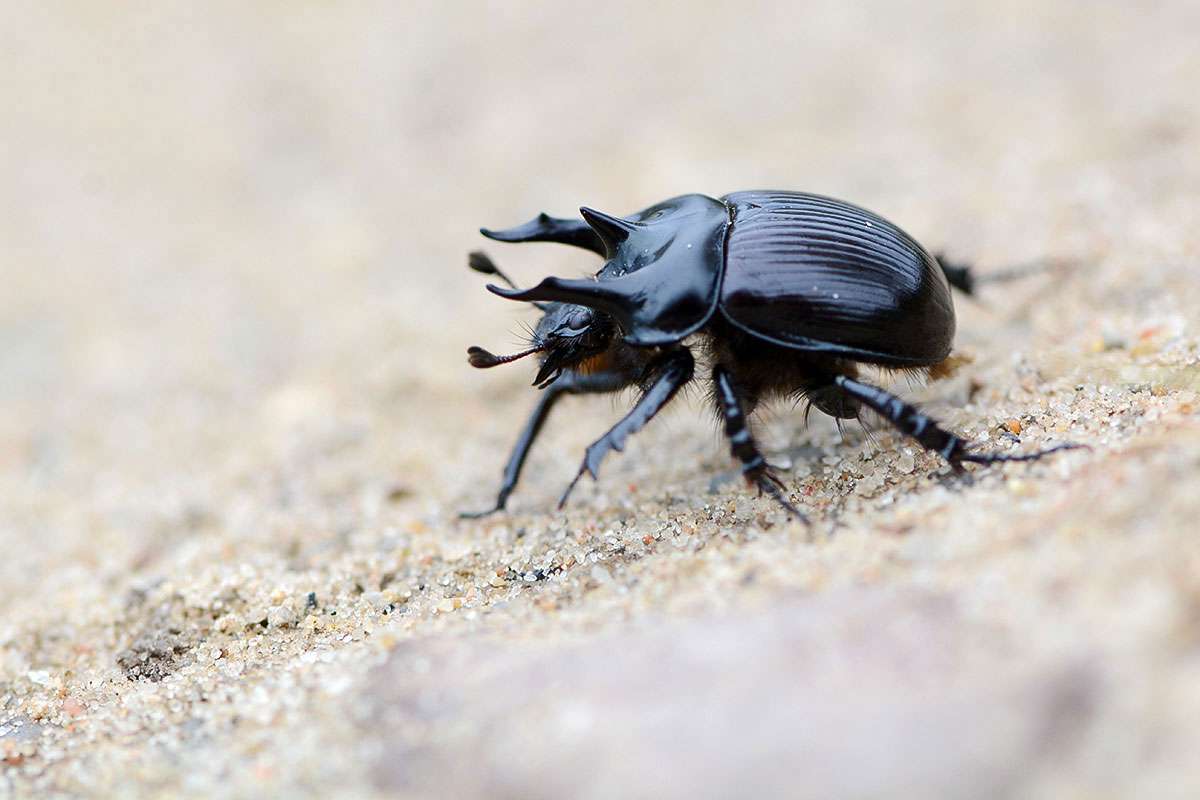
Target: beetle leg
[[672, 372], [958, 274], [962, 276], [909, 420], [741, 442], [568, 383]]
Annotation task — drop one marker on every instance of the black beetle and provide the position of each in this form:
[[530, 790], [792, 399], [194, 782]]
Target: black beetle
[[783, 293]]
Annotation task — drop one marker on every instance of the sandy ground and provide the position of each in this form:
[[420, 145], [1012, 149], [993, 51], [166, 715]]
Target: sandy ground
[[236, 422]]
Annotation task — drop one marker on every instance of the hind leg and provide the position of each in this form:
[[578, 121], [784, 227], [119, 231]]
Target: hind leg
[[909, 420], [962, 276]]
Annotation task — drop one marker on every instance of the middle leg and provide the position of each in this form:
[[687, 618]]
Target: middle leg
[[741, 441]]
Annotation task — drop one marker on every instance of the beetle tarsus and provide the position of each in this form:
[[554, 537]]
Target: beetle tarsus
[[911, 421], [673, 370], [481, 514], [741, 441], [570, 383], [767, 482], [962, 276], [993, 458], [771, 485], [562, 500], [768, 476]]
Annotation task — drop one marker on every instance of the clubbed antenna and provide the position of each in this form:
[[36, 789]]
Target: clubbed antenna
[[482, 263], [482, 359]]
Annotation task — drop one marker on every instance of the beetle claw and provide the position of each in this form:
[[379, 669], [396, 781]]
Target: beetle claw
[[501, 502], [994, 458], [562, 501], [480, 514], [773, 486], [590, 465], [768, 483]]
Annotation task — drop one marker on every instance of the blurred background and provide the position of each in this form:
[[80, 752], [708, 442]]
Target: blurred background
[[234, 301], [205, 205], [208, 199]]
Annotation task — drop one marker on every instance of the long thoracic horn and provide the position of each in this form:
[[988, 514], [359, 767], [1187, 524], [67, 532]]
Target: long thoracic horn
[[611, 297], [611, 230], [544, 228]]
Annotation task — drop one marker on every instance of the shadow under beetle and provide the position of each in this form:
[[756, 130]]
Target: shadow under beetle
[[784, 294]]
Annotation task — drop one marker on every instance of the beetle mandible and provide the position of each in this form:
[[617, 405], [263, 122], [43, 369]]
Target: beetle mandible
[[784, 294]]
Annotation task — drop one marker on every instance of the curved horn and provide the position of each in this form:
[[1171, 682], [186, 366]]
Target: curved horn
[[617, 298], [611, 230], [545, 228]]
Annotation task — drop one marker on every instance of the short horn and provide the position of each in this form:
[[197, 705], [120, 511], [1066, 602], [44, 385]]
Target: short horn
[[611, 230], [544, 228]]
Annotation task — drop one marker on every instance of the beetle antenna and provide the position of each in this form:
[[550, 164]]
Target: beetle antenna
[[482, 359], [528, 335], [482, 263]]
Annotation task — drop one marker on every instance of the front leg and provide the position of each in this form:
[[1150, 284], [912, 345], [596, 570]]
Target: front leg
[[671, 372], [567, 383], [924, 429]]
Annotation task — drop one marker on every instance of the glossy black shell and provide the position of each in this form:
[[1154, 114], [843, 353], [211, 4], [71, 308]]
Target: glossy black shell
[[817, 274], [802, 271]]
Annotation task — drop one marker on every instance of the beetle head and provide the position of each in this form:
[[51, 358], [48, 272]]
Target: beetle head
[[662, 267], [567, 335], [570, 334]]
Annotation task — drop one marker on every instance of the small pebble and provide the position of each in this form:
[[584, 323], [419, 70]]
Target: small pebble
[[280, 616]]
